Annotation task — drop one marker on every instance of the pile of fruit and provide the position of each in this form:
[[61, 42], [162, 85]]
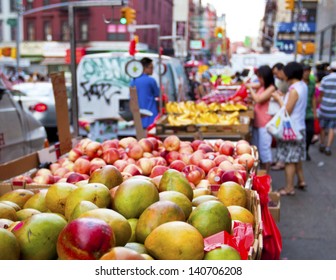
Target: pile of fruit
[[189, 112], [129, 199]]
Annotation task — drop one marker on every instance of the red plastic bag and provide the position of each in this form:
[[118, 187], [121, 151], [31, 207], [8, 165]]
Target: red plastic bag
[[240, 94], [317, 128], [272, 241]]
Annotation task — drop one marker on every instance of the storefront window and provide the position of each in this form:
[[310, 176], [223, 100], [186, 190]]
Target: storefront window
[[31, 31], [65, 31], [12, 6], [333, 44], [47, 34], [84, 28]]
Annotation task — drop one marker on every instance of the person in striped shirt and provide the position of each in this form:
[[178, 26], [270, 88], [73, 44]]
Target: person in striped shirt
[[327, 110]]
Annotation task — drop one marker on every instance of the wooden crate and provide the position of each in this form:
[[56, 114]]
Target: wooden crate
[[163, 127]]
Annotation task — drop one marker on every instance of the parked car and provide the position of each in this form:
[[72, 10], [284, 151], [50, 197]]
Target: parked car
[[20, 132], [38, 98]]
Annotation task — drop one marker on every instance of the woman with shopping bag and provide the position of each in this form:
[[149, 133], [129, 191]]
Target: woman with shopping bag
[[290, 151]]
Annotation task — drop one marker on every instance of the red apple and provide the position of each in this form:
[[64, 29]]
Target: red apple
[[177, 165], [132, 169], [243, 173], [219, 158], [85, 239], [211, 155], [226, 165], [232, 175], [108, 144], [82, 144], [185, 158], [54, 166], [146, 145], [154, 142], [186, 149], [74, 154], [125, 176], [217, 144], [131, 160], [43, 171], [196, 157], [74, 178], [206, 164], [238, 166], [20, 180], [146, 165], [93, 149], [124, 142], [243, 148], [171, 156], [194, 144], [227, 148], [111, 155], [158, 170], [96, 163], [44, 179], [82, 166], [134, 151], [246, 160], [171, 143], [120, 164], [206, 148], [61, 171], [214, 175], [147, 155], [193, 173], [159, 161]]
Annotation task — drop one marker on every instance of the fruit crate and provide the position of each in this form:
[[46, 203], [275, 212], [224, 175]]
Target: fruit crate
[[163, 127]]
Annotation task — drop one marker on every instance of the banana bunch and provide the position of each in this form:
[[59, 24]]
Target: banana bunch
[[206, 118], [202, 107]]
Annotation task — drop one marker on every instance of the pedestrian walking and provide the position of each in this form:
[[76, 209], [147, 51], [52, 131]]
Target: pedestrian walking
[[311, 107], [261, 138], [147, 90], [327, 110], [292, 153]]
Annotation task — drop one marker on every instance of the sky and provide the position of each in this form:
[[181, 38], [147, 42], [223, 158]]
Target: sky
[[242, 16]]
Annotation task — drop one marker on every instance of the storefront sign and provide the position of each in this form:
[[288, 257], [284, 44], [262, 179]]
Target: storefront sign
[[290, 27]]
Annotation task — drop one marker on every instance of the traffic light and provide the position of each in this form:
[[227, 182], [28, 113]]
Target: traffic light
[[309, 48], [299, 47], [127, 15], [130, 15], [290, 5], [219, 31], [123, 19]]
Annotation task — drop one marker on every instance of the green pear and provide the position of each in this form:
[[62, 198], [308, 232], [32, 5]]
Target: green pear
[[108, 175], [38, 236], [18, 196], [37, 201], [81, 208], [7, 212], [26, 213], [95, 192], [57, 195], [119, 224]]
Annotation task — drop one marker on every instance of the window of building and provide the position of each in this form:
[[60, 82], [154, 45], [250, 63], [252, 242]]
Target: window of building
[[30, 31], [12, 33], [12, 6], [1, 30], [47, 32], [84, 30], [65, 35]]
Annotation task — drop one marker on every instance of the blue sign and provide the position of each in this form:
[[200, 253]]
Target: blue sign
[[286, 46], [290, 27]]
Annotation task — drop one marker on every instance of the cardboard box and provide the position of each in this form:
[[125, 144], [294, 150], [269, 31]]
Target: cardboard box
[[274, 205]]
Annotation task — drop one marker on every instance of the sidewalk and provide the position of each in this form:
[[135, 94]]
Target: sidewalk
[[308, 219]]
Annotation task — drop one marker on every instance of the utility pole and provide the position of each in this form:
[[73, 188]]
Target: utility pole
[[19, 10], [297, 31]]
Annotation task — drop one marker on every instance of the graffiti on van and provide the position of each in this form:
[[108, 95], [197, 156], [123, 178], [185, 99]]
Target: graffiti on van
[[103, 78]]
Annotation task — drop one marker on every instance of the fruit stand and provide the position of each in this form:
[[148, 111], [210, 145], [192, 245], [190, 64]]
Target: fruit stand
[[187, 179]]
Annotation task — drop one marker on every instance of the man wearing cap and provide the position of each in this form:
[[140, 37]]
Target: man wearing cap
[[327, 110]]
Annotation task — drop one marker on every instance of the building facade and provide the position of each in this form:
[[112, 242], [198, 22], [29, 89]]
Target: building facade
[[326, 31]]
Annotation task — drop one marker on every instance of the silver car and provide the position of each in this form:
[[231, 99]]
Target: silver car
[[20, 132], [38, 98]]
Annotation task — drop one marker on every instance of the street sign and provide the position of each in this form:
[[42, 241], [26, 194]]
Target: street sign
[[11, 22]]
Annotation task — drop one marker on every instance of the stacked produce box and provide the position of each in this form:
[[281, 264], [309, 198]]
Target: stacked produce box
[[146, 199]]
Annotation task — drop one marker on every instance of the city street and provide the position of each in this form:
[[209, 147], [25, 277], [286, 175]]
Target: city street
[[307, 221]]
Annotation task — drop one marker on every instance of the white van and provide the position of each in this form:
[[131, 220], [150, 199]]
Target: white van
[[103, 85]]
